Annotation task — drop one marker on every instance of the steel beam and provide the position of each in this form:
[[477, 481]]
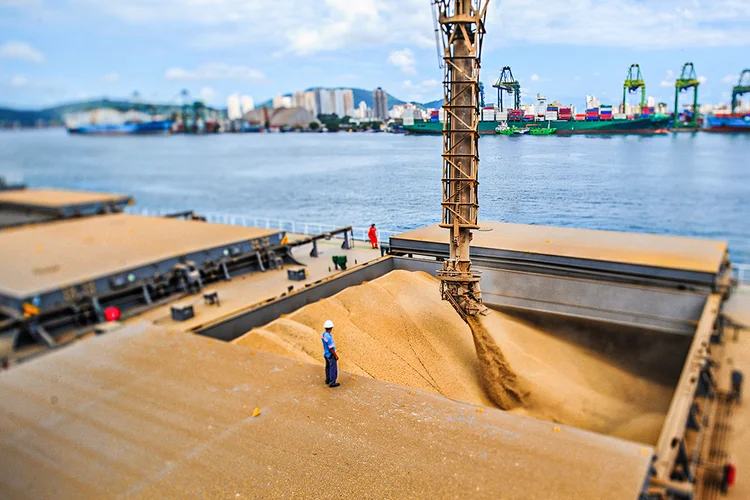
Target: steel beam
[[675, 424]]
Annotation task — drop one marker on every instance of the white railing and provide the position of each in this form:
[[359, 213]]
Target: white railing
[[290, 226], [742, 273]]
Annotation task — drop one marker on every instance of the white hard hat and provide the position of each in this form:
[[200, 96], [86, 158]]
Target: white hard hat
[[328, 324]]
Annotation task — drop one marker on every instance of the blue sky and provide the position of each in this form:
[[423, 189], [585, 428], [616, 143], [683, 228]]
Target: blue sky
[[53, 51]]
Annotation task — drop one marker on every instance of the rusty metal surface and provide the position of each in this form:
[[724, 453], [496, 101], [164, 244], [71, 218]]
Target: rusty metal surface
[[675, 252], [45, 197], [152, 414], [35, 259], [684, 395]]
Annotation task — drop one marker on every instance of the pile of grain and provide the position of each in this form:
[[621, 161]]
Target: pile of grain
[[398, 329]]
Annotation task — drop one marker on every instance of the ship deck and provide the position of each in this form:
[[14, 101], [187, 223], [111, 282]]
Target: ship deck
[[57, 198], [41, 258], [633, 249], [150, 413]]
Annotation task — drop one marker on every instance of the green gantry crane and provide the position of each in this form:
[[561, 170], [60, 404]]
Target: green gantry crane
[[507, 83], [633, 82], [688, 79], [743, 87]]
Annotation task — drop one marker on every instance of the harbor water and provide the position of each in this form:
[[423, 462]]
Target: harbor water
[[683, 184]]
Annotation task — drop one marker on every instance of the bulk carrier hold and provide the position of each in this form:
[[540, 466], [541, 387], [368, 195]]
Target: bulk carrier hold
[[194, 391]]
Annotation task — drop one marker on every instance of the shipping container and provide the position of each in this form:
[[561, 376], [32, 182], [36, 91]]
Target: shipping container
[[619, 116], [501, 116], [594, 118], [551, 115], [580, 117], [592, 110]]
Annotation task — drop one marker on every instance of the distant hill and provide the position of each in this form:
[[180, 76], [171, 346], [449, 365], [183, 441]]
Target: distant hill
[[436, 104], [28, 117]]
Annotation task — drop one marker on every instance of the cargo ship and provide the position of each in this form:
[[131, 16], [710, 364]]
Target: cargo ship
[[153, 127], [108, 121], [640, 125], [728, 123], [598, 119]]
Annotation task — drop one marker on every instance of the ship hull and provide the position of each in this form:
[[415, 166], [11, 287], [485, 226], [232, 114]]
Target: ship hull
[[728, 124], [564, 127], [147, 128]]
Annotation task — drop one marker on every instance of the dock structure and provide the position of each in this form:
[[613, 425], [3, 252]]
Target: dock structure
[[64, 274], [19, 207], [152, 413], [669, 261]]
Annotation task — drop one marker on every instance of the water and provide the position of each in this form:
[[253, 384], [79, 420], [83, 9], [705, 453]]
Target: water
[[685, 184]]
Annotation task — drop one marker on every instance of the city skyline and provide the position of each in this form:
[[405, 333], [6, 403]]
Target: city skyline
[[52, 52]]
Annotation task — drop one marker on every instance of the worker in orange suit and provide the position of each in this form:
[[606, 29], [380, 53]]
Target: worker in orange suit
[[373, 235]]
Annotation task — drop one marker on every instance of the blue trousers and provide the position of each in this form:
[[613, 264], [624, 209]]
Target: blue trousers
[[332, 370]]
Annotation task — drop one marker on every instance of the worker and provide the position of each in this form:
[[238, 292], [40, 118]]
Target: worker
[[332, 357], [373, 235]]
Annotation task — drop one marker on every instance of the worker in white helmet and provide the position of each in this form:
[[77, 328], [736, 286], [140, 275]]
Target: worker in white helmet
[[329, 351]]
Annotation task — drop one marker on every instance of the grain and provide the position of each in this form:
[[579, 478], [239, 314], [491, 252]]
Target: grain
[[397, 329]]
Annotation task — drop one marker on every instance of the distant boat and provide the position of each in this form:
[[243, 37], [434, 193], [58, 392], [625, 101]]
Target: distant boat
[[153, 127]]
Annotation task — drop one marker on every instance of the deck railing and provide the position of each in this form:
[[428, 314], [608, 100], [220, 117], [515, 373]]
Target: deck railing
[[290, 226], [742, 273]]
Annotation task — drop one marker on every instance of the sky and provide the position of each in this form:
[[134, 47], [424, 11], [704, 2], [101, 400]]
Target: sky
[[54, 51]]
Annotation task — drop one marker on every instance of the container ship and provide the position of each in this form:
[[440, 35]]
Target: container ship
[[728, 122], [598, 120], [113, 122]]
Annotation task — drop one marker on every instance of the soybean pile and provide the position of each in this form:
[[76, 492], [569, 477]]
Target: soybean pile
[[397, 329]]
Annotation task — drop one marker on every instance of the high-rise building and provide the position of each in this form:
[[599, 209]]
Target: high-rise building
[[332, 100], [234, 109], [348, 96], [311, 103], [362, 110], [298, 100], [282, 101], [246, 104], [326, 106], [380, 103], [339, 102]]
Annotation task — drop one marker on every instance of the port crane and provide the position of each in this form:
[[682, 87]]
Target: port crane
[[742, 87], [687, 80], [507, 83], [633, 82], [461, 24]]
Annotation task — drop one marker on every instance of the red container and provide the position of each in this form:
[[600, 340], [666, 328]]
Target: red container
[[580, 117]]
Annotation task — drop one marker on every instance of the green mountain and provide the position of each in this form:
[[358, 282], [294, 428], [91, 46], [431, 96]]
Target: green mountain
[[27, 117]]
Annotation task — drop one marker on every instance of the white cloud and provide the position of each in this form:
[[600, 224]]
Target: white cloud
[[19, 81], [301, 27], [668, 80], [702, 79], [207, 95], [730, 79], [534, 77], [21, 51], [110, 78], [404, 59], [215, 71], [661, 25], [426, 90]]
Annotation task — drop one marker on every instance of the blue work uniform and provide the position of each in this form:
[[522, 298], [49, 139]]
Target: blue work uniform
[[332, 366]]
